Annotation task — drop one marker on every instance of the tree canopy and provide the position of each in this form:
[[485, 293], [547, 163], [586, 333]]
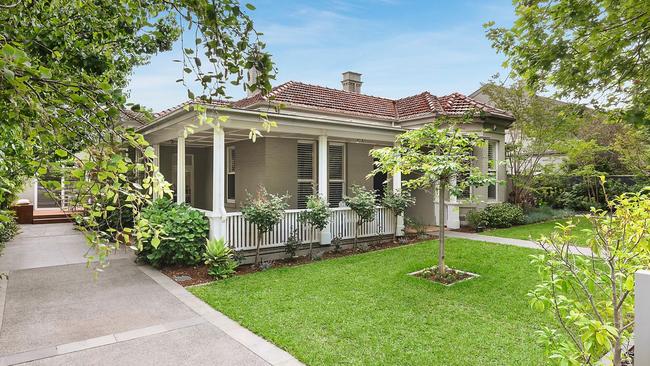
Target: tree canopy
[[594, 49], [64, 67]]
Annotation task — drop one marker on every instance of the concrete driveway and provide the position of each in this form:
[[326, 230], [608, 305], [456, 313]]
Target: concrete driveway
[[54, 312]]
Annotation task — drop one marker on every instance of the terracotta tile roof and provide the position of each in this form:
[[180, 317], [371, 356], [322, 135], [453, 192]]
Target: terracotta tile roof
[[324, 99], [218, 103]]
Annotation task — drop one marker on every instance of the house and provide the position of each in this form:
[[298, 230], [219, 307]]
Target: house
[[321, 144]]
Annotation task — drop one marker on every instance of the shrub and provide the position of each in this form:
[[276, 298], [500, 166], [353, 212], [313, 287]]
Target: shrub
[[317, 216], [397, 202], [220, 258], [8, 228], [362, 202], [292, 244], [265, 211], [497, 216], [184, 229], [593, 296]]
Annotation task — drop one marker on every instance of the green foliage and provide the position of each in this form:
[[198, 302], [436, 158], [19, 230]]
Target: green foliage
[[317, 216], [63, 69], [292, 245], [219, 258], [541, 126], [397, 202], [362, 203], [593, 296], [265, 211], [433, 155], [8, 228], [546, 213], [588, 50], [497, 215], [183, 234]]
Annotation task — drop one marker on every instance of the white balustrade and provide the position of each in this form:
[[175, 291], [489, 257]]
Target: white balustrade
[[242, 235]]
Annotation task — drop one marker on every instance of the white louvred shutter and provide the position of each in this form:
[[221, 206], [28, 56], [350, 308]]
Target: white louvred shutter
[[336, 172], [305, 154]]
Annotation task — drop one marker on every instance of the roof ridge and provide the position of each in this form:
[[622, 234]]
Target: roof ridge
[[340, 90]]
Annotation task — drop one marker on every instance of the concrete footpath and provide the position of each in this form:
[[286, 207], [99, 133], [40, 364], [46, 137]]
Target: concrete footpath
[[54, 312], [509, 241]]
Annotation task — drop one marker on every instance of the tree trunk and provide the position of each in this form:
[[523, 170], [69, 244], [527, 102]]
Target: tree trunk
[[442, 269], [257, 250], [356, 234]]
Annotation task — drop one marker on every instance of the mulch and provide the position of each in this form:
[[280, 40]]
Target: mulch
[[196, 275]]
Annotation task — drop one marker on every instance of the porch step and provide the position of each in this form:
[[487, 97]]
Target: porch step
[[51, 219]]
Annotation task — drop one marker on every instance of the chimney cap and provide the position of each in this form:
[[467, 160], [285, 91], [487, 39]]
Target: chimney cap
[[351, 75]]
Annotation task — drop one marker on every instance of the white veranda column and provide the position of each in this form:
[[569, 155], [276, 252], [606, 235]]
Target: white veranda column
[[642, 318], [218, 215], [180, 170], [397, 187], [453, 211], [325, 234], [156, 162]]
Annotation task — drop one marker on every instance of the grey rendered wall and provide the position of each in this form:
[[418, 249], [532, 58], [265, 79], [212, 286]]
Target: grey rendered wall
[[282, 168], [359, 164], [249, 169], [423, 211]]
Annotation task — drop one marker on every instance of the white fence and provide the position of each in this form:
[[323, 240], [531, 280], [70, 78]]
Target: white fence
[[242, 235]]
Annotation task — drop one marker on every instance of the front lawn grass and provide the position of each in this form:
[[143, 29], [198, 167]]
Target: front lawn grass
[[365, 309], [535, 231]]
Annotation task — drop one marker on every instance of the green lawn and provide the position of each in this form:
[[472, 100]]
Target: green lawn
[[535, 231], [366, 310]]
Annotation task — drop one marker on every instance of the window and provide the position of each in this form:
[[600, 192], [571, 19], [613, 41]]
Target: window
[[336, 172], [230, 173], [492, 157], [306, 171]]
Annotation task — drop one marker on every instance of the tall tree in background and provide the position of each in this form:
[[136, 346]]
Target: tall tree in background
[[63, 69], [540, 128], [588, 49]]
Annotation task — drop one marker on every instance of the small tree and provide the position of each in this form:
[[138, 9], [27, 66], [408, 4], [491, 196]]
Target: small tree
[[264, 210], [431, 156], [317, 216], [362, 203], [397, 202], [592, 297]]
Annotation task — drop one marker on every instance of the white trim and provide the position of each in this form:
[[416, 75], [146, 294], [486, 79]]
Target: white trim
[[229, 151], [323, 180], [180, 170]]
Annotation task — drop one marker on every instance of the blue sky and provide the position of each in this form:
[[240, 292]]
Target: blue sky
[[401, 47]]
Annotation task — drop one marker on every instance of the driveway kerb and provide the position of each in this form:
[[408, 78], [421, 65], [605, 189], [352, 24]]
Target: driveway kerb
[[258, 345]]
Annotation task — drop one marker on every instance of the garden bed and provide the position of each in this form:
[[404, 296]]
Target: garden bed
[[451, 277], [195, 275]]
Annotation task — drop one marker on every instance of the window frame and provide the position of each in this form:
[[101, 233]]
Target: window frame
[[230, 170]]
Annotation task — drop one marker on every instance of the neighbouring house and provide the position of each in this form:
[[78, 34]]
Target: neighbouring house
[[550, 157], [320, 145]]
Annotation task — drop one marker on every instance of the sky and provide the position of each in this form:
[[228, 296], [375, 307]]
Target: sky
[[401, 47]]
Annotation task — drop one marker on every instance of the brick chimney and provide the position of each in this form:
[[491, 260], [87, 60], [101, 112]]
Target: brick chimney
[[352, 82]]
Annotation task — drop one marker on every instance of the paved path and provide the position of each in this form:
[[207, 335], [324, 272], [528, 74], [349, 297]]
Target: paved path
[[53, 312], [509, 241]]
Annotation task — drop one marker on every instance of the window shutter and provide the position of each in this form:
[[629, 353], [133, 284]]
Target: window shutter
[[305, 160], [491, 154], [335, 155], [305, 154], [336, 172]]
